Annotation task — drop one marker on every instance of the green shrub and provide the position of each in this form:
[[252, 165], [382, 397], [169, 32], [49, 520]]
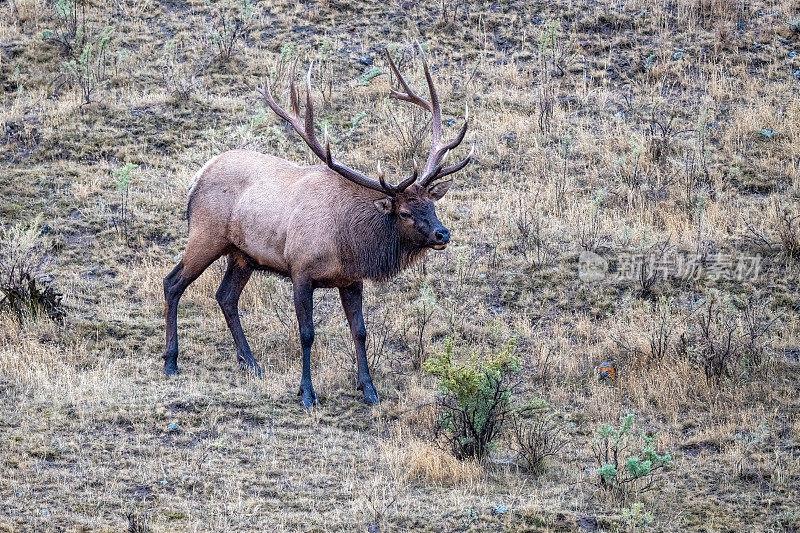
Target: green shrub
[[181, 73], [618, 462], [89, 69], [69, 30], [121, 220], [637, 517], [233, 20], [86, 49], [475, 399]]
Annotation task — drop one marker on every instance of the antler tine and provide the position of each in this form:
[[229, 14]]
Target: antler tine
[[433, 166], [309, 125], [409, 95], [385, 185], [438, 151], [446, 171], [395, 189], [403, 185], [460, 137], [436, 119], [328, 158], [305, 128], [294, 93], [267, 94]]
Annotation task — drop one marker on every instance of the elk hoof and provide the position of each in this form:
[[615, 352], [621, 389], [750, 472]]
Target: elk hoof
[[307, 396], [370, 394], [251, 365], [171, 367]]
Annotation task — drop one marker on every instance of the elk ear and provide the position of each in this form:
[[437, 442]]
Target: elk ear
[[440, 189], [384, 205]]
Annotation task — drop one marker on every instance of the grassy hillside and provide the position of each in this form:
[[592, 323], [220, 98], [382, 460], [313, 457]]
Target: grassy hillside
[[612, 134]]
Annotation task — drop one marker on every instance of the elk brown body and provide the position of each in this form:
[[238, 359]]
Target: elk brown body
[[321, 226]]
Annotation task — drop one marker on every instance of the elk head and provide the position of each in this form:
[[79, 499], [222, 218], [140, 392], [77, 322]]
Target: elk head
[[411, 202]]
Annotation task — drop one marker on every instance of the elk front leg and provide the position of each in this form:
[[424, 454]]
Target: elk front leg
[[352, 303], [304, 306]]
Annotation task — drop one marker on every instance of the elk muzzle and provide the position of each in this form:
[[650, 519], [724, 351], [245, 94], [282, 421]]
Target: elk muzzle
[[441, 238]]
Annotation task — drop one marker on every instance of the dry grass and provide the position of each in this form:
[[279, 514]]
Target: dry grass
[[411, 460], [609, 127]]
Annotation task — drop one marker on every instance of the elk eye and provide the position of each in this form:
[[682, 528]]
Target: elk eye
[[405, 214]]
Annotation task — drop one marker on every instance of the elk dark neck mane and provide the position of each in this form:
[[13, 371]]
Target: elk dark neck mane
[[370, 245]]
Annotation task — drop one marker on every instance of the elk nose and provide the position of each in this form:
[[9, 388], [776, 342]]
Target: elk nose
[[442, 235]]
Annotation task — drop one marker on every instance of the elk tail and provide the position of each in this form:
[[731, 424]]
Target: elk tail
[[192, 187]]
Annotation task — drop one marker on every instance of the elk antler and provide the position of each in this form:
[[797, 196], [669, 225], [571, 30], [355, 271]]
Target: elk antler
[[433, 167], [305, 128]]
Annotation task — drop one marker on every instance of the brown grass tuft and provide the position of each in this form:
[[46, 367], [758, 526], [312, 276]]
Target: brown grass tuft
[[415, 461]]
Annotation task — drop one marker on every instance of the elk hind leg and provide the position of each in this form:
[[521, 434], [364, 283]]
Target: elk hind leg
[[236, 277], [197, 257]]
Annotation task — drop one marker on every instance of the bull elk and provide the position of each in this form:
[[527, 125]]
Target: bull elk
[[322, 226]]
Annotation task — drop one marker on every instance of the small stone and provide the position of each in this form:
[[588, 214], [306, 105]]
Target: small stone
[[509, 138], [568, 102], [587, 523], [173, 427], [365, 60]]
